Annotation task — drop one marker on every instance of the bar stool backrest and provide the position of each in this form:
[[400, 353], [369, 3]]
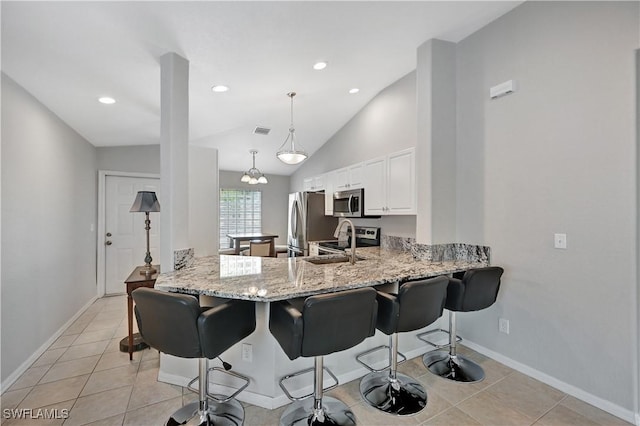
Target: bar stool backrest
[[338, 321], [477, 290], [421, 303], [168, 322]]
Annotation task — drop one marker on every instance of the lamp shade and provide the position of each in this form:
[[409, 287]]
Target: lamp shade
[[146, 201]]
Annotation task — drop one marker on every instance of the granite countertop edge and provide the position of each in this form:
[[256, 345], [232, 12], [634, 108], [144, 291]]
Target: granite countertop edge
[[274, 279]]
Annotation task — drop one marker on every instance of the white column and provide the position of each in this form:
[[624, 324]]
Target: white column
[[436, 142], [174, 167]]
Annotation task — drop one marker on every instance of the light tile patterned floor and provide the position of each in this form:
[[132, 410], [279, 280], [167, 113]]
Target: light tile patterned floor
[[84, 372]]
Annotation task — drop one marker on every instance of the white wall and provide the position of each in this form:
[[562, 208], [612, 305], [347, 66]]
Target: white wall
[[204, 221], [557, 156], [139, 159], [49, 216], [275, 200], [385, 125]]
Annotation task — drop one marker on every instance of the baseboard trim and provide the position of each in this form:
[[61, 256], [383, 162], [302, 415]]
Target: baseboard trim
[[6, 384], [582, 395]]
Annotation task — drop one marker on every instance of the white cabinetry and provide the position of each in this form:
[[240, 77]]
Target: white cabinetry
[[315, 183], [328, 193], [349, 177], [390, 184]]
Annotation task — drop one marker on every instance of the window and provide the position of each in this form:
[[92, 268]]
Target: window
[[240, 212]]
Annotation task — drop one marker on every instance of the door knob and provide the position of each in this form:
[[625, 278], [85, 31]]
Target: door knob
[[108, 243], [108, 234]]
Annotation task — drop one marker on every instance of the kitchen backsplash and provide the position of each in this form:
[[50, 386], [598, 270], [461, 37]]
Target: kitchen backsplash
[[437, 252], [182, 258]]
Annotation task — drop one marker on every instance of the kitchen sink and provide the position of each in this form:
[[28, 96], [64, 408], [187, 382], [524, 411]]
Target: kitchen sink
[[329, 260]]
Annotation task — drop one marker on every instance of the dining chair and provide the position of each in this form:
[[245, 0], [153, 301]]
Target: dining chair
[[262, 248]]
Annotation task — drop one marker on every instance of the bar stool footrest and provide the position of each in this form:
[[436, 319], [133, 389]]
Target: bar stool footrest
[[217, 397], [422, 336], [301, 372], [372, 350]]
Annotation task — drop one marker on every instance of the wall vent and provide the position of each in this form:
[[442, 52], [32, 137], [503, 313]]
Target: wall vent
[[261, 130]]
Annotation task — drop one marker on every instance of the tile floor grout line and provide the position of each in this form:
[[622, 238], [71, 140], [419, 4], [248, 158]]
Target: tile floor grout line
[[90, 374], [549, 410], [108, 309]]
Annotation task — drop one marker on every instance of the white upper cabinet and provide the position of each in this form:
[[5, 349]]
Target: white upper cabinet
[[390, 184], [375, 186], [348, 177], [315, 183], [328, 193], [401, 181]]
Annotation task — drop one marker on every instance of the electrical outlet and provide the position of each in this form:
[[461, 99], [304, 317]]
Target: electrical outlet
[[503, 325], [560, 241], [247, 352]]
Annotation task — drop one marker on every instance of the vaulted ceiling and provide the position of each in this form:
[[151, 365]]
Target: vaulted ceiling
[[68, 54]]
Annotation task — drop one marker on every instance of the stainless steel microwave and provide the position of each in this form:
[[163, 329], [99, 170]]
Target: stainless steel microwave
[[348, 203]]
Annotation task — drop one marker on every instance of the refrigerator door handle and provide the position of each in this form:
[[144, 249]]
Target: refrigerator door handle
[[294, 219]]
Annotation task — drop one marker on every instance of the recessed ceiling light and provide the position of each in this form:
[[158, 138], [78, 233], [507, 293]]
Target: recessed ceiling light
[[220, 88], [319, 66], [354, 90], [106, 100]]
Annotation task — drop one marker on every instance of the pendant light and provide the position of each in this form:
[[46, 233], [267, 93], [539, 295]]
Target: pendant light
[[253, 175], [289, 153]]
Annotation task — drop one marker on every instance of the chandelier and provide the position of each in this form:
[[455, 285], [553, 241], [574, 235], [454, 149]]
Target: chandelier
[[289, 153], [253, 175]]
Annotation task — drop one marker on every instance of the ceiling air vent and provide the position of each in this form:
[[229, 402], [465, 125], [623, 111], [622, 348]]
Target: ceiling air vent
[[261, 130]]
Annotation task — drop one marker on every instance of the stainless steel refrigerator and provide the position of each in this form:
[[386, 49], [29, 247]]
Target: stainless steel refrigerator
[[307, 222]]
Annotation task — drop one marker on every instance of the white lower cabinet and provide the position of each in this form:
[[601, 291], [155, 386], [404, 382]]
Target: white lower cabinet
[[390, 184]]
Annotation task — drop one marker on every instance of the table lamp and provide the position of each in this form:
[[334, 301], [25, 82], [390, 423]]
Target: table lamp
[[147, 202]]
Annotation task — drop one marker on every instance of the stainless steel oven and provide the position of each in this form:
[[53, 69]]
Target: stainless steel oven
[[348, 203]]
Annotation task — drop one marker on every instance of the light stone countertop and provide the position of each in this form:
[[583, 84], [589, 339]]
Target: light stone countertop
[[268, 279]]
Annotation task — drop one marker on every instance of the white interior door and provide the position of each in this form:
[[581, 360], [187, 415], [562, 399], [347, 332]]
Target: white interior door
[[125, 236]]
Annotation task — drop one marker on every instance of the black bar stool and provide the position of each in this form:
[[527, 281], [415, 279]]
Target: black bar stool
[[417, 304], [176, 325], [478, 289], [325, 324]]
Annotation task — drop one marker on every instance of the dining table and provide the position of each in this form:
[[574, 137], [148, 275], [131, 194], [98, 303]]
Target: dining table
[[235, 240]]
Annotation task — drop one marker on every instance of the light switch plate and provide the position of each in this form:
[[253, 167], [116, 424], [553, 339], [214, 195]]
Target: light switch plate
[[560, 241]]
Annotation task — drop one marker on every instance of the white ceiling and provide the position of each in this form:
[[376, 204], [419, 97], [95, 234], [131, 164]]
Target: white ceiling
[[67, 54]]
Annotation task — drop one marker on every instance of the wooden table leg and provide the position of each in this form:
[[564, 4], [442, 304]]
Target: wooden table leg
[[130, 320]]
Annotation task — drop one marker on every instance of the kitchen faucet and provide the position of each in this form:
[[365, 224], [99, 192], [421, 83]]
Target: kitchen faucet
[[353, 237]]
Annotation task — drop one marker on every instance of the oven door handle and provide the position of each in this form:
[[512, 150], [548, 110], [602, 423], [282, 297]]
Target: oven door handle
[[350, 203]]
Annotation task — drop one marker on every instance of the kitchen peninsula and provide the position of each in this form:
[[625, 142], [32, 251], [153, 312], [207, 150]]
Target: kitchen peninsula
[[264, 280]]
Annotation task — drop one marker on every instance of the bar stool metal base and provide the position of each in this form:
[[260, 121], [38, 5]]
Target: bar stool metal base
[[333, 412], [453, 367], [230, 413], [402, 396]]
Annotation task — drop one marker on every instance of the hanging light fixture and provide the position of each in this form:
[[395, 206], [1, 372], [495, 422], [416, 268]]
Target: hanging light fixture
[[291, 154], [253, 175]]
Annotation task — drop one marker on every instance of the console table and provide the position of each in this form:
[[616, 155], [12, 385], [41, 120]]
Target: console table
[[137, 279]]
